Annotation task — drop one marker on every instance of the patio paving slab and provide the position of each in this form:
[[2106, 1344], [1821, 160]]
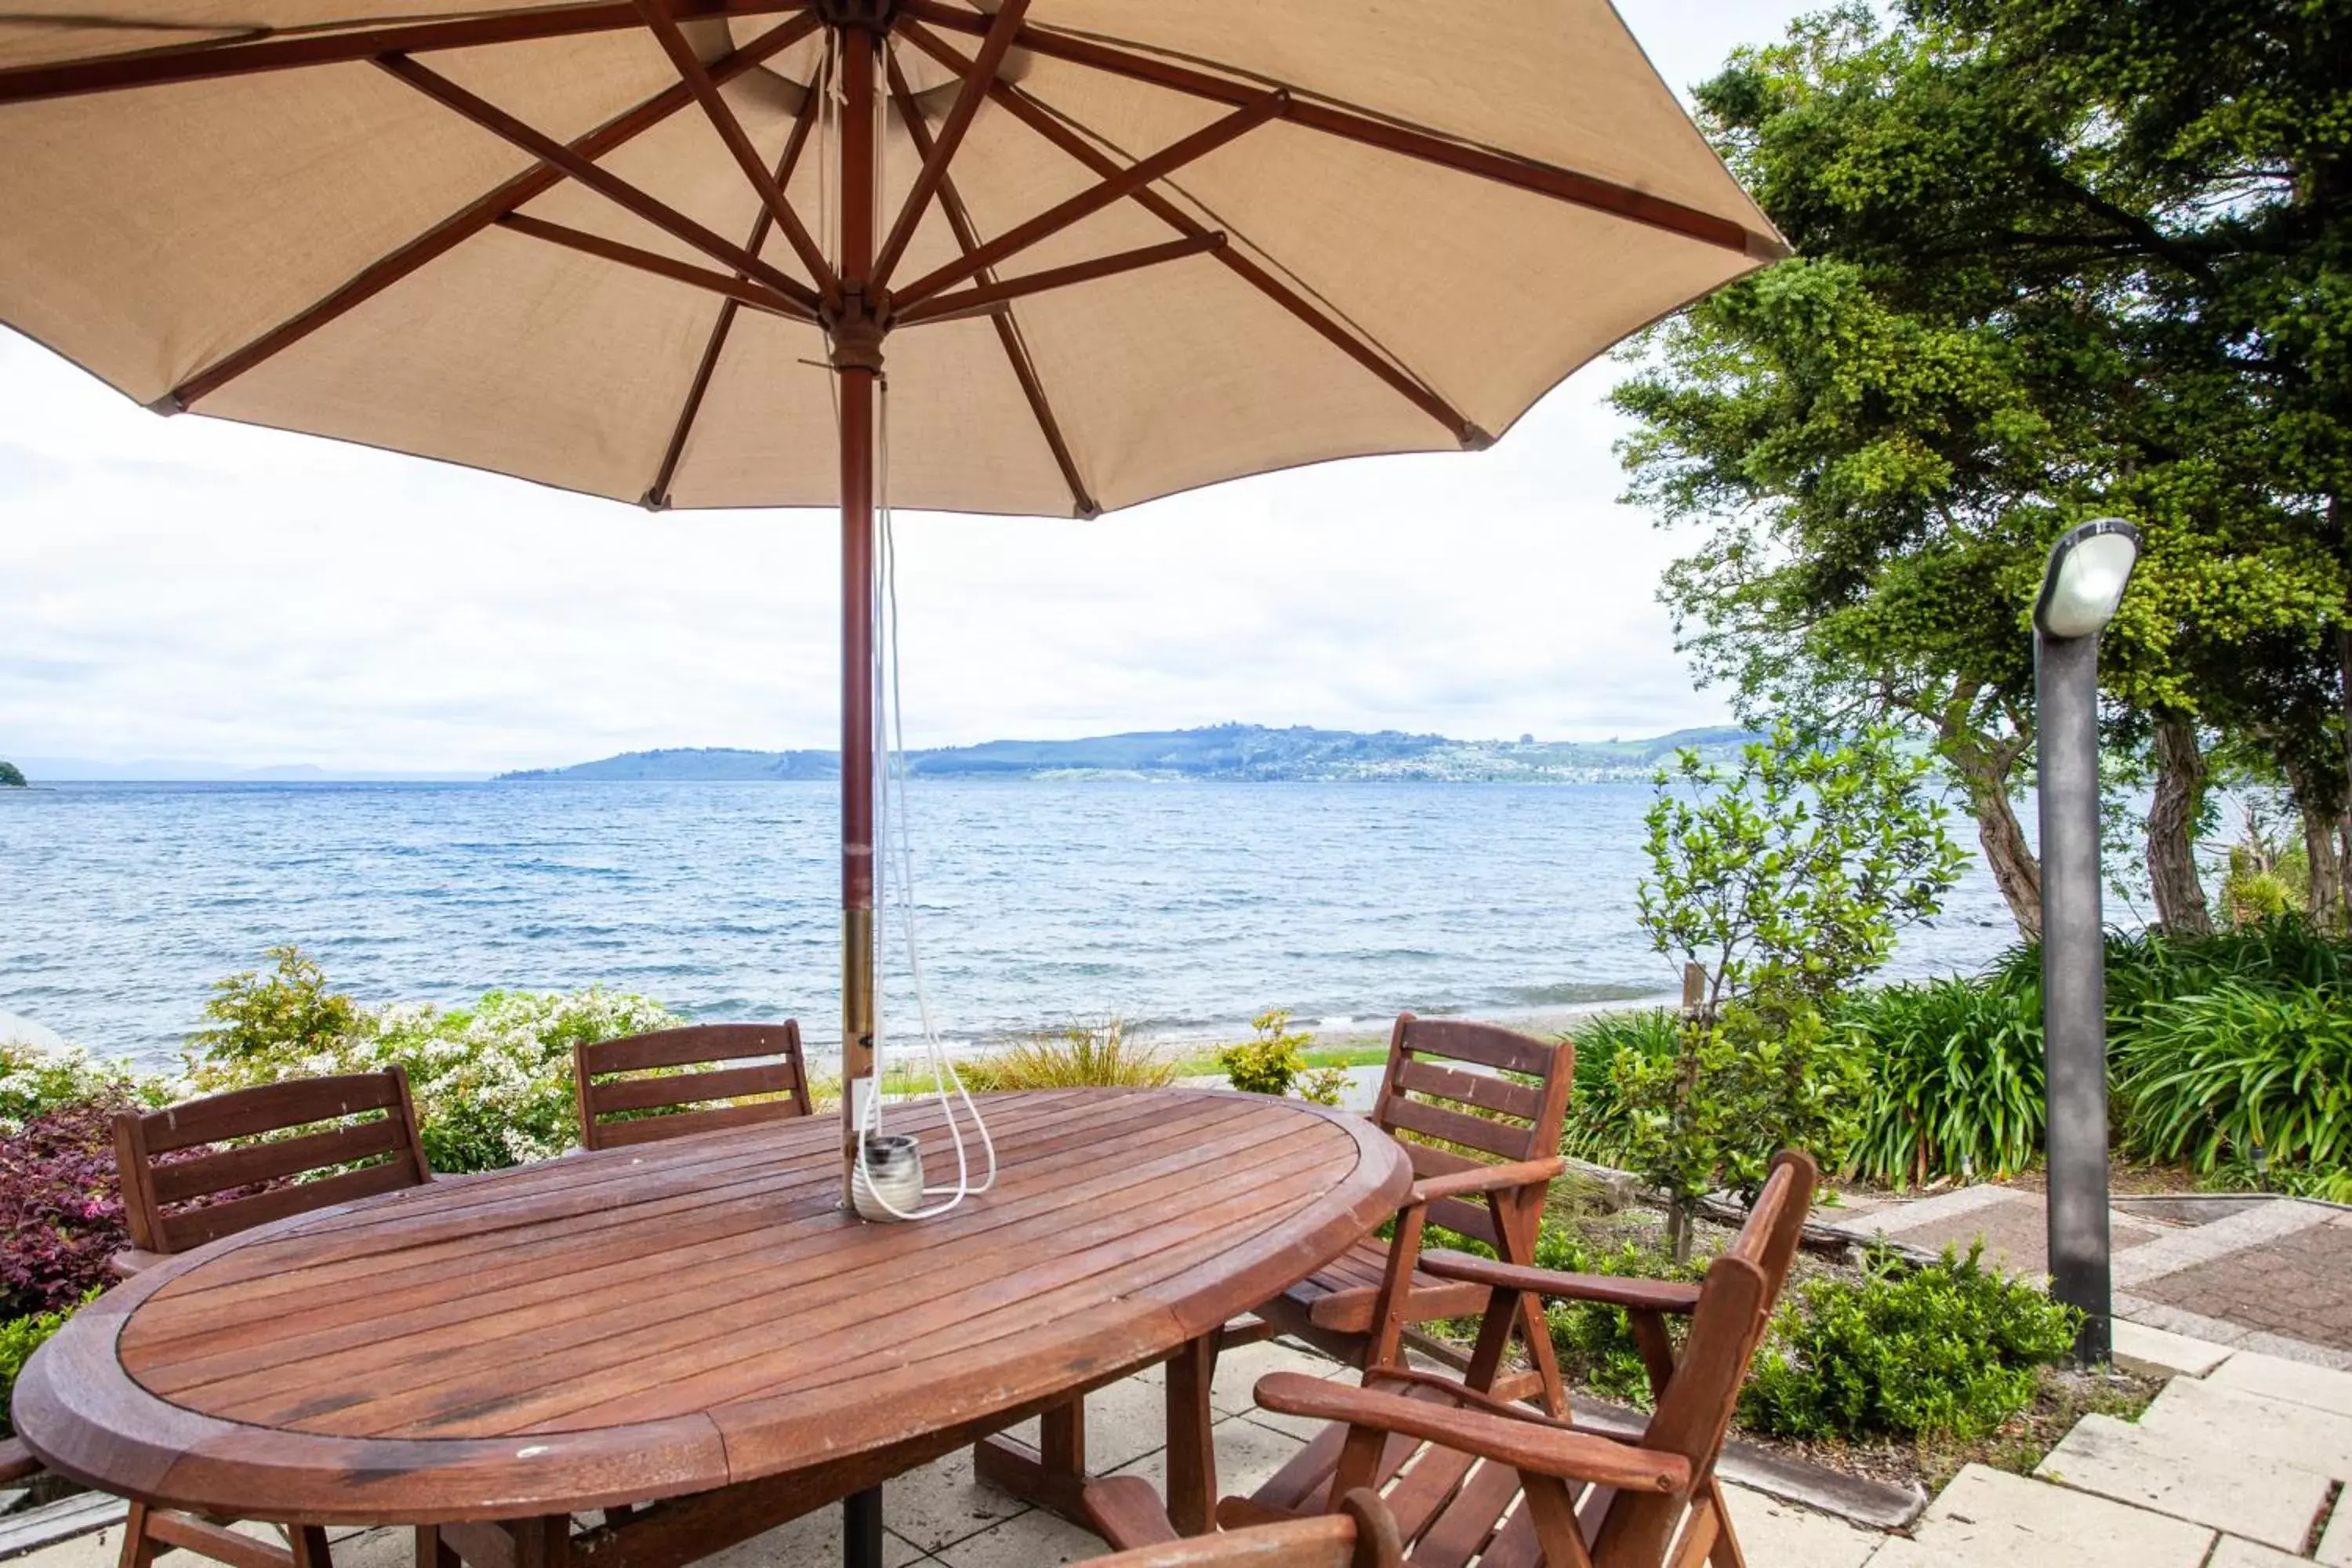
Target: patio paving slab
[[2013, 1225], [2143, 1349], [1781, 1535], [1988, 1517], [2336, 1542], [2263, 1430], [2297, 1283], [2189, 1477], [2293, 1383], [2235, 1553]]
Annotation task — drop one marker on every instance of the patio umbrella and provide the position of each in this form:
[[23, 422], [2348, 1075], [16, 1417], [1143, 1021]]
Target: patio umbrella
[[666, 250]]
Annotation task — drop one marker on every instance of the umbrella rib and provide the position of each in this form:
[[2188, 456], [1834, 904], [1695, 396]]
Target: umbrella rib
[[1008, 331], [593, 176], [1356, 344], [1390, 135], [736, 287], [1126, 182], [974, 88], [723, 119], [469, 221], [989, 297], [205, 62], [656, 495]]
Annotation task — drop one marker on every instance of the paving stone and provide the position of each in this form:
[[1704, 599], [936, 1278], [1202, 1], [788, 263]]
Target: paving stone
[[2140, 1348], [2235, 1553], [1035, 1539], [944, 1502], [1988, 1516], [2189, 1477], [1239, 1369], [2270, 1377], [812, 1541], [1248, 1457], [1780, 1535], [2262, 1226], [2236, 1422], [2336, 1542]]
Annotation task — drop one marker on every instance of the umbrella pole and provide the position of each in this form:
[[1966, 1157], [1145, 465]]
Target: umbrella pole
[[856, 352]]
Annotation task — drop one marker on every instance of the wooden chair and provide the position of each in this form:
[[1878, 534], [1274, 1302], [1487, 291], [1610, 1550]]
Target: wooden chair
[[1516, 1488], [1445, 1082], [599, 1103], [170, 1204], [1362, 1535]]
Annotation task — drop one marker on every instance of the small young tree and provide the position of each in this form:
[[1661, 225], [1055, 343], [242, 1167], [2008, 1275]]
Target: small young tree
[[288, 1014], [1777, 888]]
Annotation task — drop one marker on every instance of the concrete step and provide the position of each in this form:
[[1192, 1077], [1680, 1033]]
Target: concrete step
[[2232, 1420], [2290, 1382], [1988, 1517]]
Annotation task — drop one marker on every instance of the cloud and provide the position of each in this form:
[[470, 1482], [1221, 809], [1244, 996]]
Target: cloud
[[198, 589]]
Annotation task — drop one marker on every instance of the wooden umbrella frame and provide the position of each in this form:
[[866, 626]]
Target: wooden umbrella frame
[[852, 300]]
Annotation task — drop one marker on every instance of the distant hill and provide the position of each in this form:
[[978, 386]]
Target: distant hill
[[1222, 752]]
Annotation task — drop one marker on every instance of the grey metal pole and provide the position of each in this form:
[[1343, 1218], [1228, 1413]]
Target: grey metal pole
[[2074, 982]]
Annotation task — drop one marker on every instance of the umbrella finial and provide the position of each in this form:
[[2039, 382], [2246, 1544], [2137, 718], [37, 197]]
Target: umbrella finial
[[168, 405], [1474, 439]]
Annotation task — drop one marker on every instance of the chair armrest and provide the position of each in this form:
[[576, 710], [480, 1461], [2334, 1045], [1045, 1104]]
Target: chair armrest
[[1486, 1179], [16, 1460], [1127, 1512], [1611, 1289], [131, 1260], [1522, 1444]]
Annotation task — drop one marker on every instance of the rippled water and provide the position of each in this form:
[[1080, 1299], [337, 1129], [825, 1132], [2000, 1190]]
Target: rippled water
[[1182, 907]]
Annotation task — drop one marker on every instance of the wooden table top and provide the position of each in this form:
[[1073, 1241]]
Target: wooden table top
[[667, 1319]]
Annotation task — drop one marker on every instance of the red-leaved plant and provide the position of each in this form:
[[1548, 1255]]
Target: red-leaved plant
[[60, 1209]]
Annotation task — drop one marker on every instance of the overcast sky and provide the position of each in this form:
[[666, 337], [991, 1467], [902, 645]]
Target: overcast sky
[[192, 589]]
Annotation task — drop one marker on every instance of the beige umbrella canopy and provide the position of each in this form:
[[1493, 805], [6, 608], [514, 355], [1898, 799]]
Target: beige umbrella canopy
[[660, 250]]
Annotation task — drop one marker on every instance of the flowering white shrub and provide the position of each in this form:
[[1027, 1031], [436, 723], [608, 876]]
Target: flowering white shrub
[[33, 1080], [492, 1083]]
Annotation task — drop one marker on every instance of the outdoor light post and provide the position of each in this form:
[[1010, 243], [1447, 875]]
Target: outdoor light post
[[2080, 590]]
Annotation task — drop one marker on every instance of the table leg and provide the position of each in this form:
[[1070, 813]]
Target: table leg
[[1054, 1474], [1192, 1446], [861, 1529]]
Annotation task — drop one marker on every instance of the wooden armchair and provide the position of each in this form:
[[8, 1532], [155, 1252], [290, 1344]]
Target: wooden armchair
[[1362, 1535], [171, 1204], [602, 1102], [1446, 1081], [1464, 1475]]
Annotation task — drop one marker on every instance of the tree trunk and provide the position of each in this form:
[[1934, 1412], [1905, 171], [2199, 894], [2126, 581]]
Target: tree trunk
[[2326, 902], [2172, 830], [1984, 773]]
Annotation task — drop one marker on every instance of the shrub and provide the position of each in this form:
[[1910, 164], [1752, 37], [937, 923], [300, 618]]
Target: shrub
[[34, 1082], [2241, 1073], [1955, 1079], [1325, 1086], [1597, 1126], [1949, 1350], [1270, 1063], [20, 1338], [1595, 1341], [10, 776], [1083, 1056], [60, 1209], [492, 1083]]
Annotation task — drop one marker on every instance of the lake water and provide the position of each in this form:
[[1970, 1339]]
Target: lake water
[[1184, 908]]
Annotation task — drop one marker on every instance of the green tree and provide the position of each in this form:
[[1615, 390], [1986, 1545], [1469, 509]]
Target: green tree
[[10, 776], [283, 1018], [1781, 886], [2000, 322]]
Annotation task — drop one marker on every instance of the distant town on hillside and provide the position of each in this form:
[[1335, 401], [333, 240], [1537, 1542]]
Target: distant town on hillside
[[1233, 752]]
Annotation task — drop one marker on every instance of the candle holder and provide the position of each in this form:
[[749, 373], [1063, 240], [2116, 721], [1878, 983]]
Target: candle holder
[[890, 1167]]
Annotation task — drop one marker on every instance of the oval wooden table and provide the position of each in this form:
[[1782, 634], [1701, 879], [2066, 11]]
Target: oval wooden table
[[698, 1320]]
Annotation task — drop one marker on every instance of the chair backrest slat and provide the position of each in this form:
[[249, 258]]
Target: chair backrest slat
[[785, 1079], [1444, 1081], [374, 1132]]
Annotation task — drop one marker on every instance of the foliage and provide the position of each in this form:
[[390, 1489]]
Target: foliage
[[2241, 1073], [34, 1081], [288, 1014], [1597, 1127], [1593, 1339], [60, 1208], [1955, 1084], [492, 1083], [1083, 1056], [1948, 1349], [1271, 1062], [1784, 884], [1325, 1086], [20, 1338], [10, 776]]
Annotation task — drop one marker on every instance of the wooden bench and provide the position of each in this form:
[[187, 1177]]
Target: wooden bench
[[621, 1079]]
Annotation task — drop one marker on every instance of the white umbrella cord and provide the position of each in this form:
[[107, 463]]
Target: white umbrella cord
[[894, 869]]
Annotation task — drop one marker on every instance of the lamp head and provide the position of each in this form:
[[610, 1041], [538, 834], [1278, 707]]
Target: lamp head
[[2085, 580]]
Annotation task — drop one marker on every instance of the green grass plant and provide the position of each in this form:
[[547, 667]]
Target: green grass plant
[[1083, 1056], [2242, 1074], [1955, 1080]]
